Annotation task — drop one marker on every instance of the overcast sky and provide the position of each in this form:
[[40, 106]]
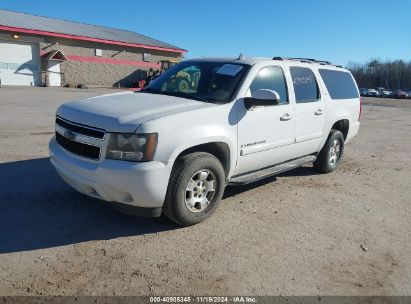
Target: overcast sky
[[338, 31]]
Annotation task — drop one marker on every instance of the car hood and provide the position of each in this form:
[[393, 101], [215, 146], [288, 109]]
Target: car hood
[[124, 112]]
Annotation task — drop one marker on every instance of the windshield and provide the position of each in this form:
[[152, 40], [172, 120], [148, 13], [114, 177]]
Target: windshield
[[206, 81]]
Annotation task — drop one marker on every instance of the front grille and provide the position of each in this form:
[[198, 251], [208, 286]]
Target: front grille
[[78, 148], [80, 129], [79, 139]]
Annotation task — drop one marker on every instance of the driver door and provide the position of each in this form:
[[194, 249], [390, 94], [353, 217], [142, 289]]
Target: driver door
[[266, 135]]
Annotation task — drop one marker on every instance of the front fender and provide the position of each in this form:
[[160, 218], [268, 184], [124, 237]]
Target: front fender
[[177, 133], [206, 140]]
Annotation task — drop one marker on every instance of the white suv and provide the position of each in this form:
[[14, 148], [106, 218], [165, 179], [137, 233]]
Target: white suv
[[202, 125]]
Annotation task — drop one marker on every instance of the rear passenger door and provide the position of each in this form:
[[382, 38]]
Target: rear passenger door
[[309, 110]]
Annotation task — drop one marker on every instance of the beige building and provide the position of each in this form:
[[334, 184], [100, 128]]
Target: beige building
[[42, 51]]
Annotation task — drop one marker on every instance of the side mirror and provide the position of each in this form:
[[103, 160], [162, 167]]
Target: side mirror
[[262, 98]]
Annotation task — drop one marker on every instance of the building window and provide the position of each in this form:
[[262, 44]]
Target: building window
[[146, 57], [99, 52]]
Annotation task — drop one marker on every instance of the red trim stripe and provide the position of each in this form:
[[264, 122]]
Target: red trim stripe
[[83, 38], [113, 61]]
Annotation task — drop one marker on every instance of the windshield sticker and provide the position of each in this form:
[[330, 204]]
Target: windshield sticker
[[229, 69]]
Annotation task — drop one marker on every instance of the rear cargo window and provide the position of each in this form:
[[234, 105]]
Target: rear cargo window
[[339, 84]]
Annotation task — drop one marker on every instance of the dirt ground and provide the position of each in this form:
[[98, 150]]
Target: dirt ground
[[301, 233]]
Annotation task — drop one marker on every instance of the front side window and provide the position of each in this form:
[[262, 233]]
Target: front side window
[[271, 78], [205, 81], [305, 85], [339, 84]]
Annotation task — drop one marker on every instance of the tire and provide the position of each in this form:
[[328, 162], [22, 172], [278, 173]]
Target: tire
[[189, 199], [330, 155], [183, 85]]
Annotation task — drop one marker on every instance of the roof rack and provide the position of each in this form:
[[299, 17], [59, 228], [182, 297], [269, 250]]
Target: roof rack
[[311, 60], [308, 60]]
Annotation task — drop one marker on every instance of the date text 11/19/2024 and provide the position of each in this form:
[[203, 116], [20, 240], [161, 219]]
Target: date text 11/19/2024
[[203, 299]]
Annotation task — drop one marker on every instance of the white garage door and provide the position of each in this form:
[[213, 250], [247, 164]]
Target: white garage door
[[19, 63]]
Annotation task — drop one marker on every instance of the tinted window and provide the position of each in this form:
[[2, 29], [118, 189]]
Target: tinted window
[[340, 85], [305, 84], [204, 81], [271, 78], [185, 81]]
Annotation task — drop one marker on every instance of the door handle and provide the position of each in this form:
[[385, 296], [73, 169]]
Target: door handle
[[319, 112], [285, 117]]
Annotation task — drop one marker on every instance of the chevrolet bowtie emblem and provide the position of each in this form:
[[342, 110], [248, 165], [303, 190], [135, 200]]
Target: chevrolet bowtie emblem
[[69, 135]]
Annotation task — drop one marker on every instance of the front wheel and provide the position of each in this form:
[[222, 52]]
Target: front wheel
[[195, 188], [331, 154]]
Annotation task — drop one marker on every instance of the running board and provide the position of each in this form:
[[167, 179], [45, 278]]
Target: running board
[[267, 172]]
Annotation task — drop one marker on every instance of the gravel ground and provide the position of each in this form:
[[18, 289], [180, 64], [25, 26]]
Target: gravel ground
[[301, 233]]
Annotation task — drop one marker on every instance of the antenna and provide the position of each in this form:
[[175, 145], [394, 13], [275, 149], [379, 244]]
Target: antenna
[[241, 57]]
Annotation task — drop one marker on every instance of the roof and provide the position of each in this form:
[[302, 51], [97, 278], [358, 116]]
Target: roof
[[55, 55], [254, 60], [244, 60], [26, 23]]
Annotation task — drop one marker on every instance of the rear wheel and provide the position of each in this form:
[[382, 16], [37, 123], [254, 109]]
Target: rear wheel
[[195, 189], [331, 154]]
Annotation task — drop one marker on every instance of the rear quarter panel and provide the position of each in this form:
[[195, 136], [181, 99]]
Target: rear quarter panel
[[338, 109]]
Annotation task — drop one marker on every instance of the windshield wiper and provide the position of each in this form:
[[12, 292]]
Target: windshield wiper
[[176, 94], [200, 98], [187, 95], [149, 90]]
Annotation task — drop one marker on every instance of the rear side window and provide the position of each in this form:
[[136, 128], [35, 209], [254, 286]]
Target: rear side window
[[339, 84], [305, 85], [271, 78]]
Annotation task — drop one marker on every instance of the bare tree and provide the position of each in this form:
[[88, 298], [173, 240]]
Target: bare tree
[[395, 74]]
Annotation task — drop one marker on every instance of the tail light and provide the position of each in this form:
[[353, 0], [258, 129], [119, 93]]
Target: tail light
[[359, 114]]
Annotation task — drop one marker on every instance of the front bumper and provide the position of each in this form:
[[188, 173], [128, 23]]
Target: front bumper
[[135, 184]]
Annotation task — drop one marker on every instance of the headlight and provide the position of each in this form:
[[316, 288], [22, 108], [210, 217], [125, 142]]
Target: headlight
[[132, 147]]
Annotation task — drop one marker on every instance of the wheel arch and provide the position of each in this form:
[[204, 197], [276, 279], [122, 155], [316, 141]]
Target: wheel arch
[[342, 125], [220, 150]]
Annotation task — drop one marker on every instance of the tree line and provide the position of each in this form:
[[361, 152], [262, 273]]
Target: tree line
[[392, 75]]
